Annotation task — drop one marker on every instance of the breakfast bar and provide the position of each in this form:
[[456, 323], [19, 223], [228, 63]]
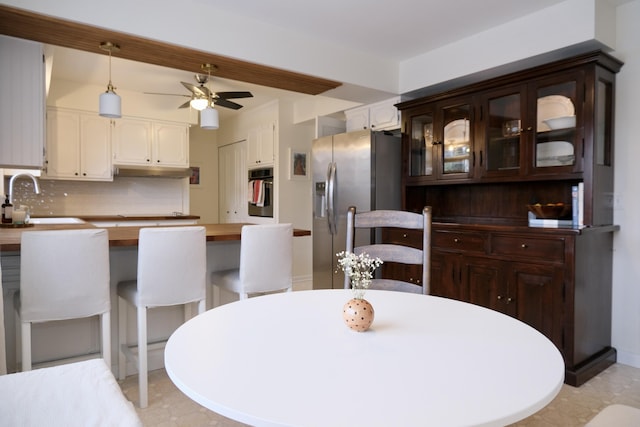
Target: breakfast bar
[[223, 252]]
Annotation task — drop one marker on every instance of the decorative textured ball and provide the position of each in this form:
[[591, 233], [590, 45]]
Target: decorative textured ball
[[358, 314]]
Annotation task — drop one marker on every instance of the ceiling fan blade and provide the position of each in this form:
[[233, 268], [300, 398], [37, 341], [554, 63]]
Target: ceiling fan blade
[[167, 94], [228, 104], [232, 95], [186, 104], [197, 90]]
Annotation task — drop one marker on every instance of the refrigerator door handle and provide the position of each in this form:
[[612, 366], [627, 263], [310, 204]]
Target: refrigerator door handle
[[330, 196]]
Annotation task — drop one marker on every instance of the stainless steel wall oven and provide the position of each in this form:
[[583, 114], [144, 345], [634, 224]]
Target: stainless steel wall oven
[[261, 192]]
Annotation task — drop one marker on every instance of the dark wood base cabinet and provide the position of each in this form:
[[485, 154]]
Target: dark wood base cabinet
[[558, 282], [555, 280], [478, 155]]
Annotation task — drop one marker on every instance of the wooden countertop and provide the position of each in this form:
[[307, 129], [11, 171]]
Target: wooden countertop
[[125, 236], [94, 218]]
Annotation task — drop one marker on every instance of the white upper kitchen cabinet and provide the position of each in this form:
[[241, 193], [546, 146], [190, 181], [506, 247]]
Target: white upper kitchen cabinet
[[170, 144], [379, 116], [78, 146], [22, 103], [149, 142], [260, 145]]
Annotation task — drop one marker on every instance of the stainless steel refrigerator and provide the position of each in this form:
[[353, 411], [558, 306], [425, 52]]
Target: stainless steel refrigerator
[[360, 169]]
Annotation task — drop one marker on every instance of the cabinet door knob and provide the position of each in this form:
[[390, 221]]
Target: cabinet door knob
[[499, 297], [509, 300], [404, 235], [524, 246], [456, 240]]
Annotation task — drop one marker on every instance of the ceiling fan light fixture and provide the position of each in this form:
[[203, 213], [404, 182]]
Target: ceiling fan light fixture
[[110, 102], [209, 118], [199, 103]]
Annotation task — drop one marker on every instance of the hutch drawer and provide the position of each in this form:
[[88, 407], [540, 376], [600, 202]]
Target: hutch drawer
[[459, 241], [403, 236], [529, 247]]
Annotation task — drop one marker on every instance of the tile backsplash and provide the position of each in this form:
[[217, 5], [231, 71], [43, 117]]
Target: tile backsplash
[[123, 196]]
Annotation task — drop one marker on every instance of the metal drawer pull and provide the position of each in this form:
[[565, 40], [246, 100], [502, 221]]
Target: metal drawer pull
[[404, 235], [456, 240], [524, 246]]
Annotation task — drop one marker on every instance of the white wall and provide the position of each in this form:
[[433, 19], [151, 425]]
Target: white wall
[[565, 24], [293, 196], [203, 153], [626, 268], [295, 193]]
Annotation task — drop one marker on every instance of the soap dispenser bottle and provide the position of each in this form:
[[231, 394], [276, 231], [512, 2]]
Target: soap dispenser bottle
[[7, 211]]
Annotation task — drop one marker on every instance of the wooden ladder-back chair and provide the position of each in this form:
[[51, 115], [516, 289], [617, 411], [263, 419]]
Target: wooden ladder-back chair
[[388, 252]]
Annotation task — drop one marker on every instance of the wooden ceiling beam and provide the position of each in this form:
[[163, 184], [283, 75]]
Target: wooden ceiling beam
[[54, 31]]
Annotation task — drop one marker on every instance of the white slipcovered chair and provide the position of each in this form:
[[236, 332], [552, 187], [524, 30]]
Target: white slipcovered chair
[[64, 274], [397, 253], [171, 271], [266, 261]]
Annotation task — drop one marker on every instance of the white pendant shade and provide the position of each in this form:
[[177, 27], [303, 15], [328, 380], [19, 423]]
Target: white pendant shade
[[209, 118], [110, 105], [110, 101]]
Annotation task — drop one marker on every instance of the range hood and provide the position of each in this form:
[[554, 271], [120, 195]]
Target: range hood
[[150, 171]]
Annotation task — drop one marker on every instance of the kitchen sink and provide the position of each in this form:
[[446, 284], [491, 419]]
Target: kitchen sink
[[56, 220]]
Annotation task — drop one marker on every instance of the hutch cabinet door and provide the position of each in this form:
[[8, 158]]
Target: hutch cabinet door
[[446, 275], [422, 151], [536, 298], [454, 139], [501, 137], [556, 119], [486, 283]]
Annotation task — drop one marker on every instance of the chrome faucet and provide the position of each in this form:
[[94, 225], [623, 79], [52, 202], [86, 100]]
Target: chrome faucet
[[36, 187]]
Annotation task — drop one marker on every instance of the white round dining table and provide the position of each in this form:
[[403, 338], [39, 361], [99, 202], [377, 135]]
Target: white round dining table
[[289, 360]]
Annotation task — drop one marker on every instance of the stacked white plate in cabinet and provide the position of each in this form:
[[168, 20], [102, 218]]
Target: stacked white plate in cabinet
[[554, 153], [551, 107], [457, 131]]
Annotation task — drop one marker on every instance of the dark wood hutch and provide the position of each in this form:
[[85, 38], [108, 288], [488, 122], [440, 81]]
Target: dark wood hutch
[[478, 155]]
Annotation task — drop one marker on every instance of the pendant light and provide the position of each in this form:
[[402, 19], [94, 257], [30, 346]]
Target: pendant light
[[110, 101], [209, 118], [209, 115]]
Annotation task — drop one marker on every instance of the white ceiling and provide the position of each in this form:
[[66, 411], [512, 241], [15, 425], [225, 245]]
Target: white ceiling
[[398, 29]]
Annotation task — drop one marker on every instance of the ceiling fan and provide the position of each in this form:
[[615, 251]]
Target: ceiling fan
[[201, 96]]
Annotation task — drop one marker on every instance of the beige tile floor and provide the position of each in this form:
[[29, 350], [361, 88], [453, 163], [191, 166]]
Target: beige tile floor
[[168, 407]]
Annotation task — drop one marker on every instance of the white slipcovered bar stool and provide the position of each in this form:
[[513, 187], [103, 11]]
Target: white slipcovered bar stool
[[266, 261], [64, 274], [171, 271]]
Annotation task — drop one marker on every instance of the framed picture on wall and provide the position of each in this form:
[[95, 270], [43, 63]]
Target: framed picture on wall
[[298, 164], [194, 179]]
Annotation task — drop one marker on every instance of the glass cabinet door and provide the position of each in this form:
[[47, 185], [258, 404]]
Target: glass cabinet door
[[456, 140], [503, 130], [422, 147], [556, 127]]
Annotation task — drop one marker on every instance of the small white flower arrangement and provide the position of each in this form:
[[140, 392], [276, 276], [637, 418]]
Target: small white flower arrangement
[[359, 269]]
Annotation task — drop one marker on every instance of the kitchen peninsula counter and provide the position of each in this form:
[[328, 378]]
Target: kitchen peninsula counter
[[223, 252], [126, 236]]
